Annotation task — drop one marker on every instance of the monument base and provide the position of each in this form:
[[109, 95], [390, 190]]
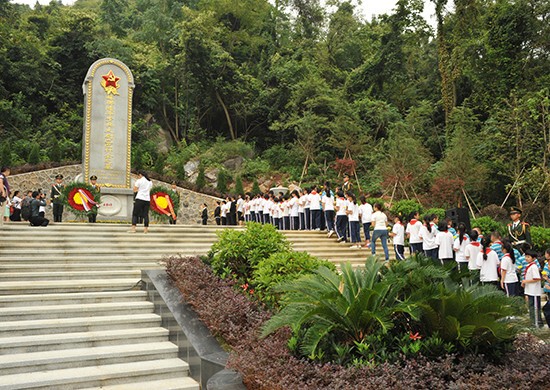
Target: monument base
[[116, 205]]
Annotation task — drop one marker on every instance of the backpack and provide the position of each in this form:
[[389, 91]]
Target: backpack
[[26, 208]]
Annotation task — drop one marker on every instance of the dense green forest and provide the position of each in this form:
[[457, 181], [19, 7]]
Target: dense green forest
[[427, 112]]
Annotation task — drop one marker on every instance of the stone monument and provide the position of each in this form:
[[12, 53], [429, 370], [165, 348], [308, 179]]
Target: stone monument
[[106, 152]]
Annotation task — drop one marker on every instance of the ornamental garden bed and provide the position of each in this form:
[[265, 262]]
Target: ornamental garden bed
[[400, 347]]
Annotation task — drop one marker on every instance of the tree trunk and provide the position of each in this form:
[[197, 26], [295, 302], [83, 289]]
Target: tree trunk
[[227, 116]]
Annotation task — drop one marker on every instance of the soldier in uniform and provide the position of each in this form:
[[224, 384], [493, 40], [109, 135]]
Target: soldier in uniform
[[92, 215], [518, 231], [347, 186], [56, 198]]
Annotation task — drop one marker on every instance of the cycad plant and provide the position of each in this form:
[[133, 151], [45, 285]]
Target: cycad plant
[[375, 314], [329, 310]]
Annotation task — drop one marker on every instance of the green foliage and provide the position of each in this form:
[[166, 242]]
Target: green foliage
[[406, 207], [237, 252], [222, 150], [282, 267], [377, 314], [201, 179], [238, 186], [488, 225], [441, 213], [5, 155], [256, 187], [34, 154], [223, 179], [256, 167], [328, 307], [541, 238], [55, 152]]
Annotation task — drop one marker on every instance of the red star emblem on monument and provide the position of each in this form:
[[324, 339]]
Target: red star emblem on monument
[[110, 83]]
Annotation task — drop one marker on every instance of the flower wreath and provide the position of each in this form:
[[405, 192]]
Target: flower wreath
[[82, 198], [164, 203]]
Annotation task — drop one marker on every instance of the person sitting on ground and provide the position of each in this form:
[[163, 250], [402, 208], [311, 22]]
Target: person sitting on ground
[[36, 219]]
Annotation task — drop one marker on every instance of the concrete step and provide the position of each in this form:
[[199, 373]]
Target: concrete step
[[81, 357], [74, 310], [69, 286], [136, 258], [165, 384], [97, 376], [13, 267], [63, 274], [57, 342], [71, 298], [79, 324]]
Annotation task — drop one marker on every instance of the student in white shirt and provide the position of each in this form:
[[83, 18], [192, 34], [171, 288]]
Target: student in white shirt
[[341, 217], [413, 232], [315, 209], [294, 211], [472, 251], [380, 221], [307, 208], [427, 233], [533, 288], [459, 246], [223, 212], [444, 242], [327, 200], [509, 281], [353, 220], [240, 209], [260, 208], [246, 208], [267, 209], [301, 209], [487, 263], [365, 210], [398, 234]]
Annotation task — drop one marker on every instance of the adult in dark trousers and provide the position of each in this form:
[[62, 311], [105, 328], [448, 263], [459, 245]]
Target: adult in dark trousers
[[142, 189], [218, 213], [56, 198], [204, 214], [36, 218]]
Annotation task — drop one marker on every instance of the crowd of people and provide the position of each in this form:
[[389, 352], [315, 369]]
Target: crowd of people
[[17, 207]]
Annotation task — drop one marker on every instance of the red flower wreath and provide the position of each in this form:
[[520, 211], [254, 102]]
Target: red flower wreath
[[162, 204], [81, 199]]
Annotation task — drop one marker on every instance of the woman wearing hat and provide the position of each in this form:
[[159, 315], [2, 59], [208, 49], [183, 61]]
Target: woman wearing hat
[[92, 215], [56, 193]]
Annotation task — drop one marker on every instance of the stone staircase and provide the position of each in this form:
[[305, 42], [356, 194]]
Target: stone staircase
[[72, 314]]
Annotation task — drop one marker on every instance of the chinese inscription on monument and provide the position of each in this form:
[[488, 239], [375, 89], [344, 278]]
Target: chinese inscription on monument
[[108, 90]]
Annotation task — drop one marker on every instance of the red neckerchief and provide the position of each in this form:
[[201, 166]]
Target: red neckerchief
[[413, 221], [488, 250], [475, 243], [313, 192]]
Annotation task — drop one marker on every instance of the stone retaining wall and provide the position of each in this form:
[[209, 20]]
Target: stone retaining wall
[[189, 207]]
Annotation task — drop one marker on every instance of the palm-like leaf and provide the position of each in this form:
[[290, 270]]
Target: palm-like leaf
[[352, 304]]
